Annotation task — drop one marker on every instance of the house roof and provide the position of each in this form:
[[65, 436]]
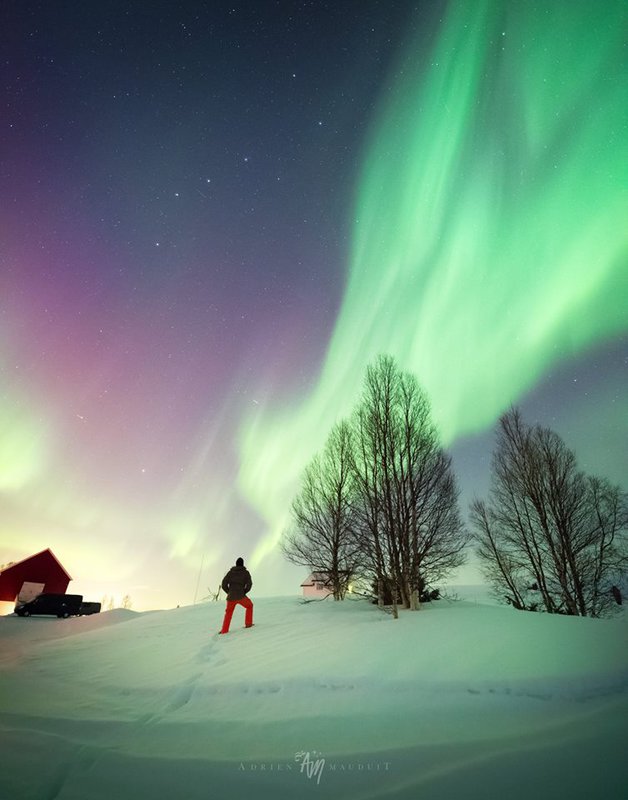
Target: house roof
[[316, 577], [48, 552], [321, 576]]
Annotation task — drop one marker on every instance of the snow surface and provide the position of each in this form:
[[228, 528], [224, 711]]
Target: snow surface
[[460, 700]]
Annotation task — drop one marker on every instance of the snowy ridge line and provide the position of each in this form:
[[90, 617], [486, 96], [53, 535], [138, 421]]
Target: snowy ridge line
[[173, 696], [64, 728], [575, 689]]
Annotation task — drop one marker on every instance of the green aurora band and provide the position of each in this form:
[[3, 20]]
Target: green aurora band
[[490, 232]]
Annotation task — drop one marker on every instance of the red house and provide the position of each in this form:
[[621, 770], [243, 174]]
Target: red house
[[27, 578]]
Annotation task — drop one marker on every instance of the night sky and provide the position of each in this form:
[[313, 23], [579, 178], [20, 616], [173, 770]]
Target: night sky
[[214, 215]]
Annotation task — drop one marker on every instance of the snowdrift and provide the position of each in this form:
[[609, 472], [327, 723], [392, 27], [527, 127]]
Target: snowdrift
[[457, 700]]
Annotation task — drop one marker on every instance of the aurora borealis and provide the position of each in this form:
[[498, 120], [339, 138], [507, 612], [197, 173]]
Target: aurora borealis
[[213, 219]]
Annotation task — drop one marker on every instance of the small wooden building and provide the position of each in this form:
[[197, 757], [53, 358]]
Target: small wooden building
[[317, 586], [26, 579]]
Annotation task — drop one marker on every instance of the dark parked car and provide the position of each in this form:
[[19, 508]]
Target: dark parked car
[[89, 608], [60, 605]]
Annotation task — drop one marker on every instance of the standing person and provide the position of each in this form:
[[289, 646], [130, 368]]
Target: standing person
[[236, 583]]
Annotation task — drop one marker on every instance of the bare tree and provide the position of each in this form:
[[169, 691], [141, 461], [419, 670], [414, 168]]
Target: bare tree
[[549, 535], [107, 602], [369, 530], [127, 602], [323, 515], [411, 531]]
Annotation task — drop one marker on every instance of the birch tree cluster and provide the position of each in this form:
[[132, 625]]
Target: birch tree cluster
[[549, 537], [379, 504]]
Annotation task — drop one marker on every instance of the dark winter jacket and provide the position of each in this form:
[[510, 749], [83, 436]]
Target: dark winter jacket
[[236, 583]]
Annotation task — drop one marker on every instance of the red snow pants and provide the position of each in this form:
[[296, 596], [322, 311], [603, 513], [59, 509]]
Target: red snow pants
[[231, 604]]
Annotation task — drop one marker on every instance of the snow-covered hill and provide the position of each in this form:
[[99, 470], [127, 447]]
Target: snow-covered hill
[[459, 700]]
